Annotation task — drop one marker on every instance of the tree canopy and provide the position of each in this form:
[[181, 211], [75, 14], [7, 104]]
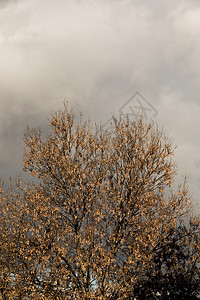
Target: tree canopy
[[102, 221]]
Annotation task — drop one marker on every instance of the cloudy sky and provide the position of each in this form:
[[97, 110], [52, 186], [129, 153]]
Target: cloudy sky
[[97, 54]]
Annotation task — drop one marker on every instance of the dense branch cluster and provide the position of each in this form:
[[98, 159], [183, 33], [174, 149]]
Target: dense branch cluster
[[102, 221]]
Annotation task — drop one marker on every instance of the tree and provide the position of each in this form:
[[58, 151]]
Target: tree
[[174, 271], [93, 225]]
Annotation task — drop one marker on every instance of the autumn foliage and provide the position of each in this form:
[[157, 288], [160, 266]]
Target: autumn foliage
[[102, 221]]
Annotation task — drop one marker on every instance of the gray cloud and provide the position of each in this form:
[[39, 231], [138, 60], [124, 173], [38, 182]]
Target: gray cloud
[[96, 54]]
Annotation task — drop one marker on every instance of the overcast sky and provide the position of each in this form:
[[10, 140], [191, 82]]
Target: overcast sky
[[98, 54]]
